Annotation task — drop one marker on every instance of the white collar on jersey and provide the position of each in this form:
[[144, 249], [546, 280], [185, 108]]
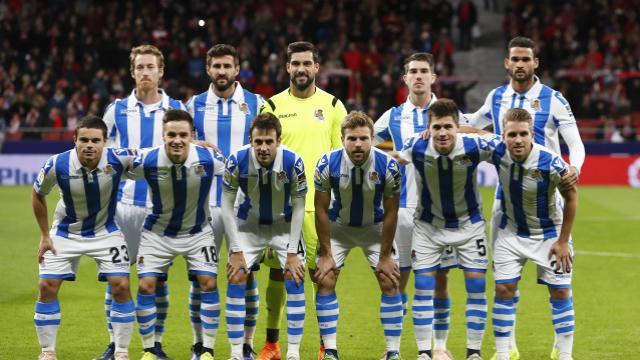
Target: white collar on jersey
[[76, 166], [531, 93], [237, 96], [351, 165], [164, 102], [277, 162], [410, 106]]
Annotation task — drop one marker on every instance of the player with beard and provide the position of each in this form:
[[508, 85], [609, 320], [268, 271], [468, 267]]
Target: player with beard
[[222, 116], [310, 119], [551, 116]]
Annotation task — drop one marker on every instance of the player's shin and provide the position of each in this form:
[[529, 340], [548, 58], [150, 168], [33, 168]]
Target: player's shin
[[162, 307], [47, 322], [476, 311], [275, 298], [327, 310], [108, 299], [235, 312], [503, 317], [146, 314], [391, 318], [422, 310], [295, 315], [194, 311], [563, 319], [252, 303], [209, 316], [122, 319]]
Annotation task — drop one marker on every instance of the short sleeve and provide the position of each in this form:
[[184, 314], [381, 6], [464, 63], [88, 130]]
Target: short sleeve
[[407, 148], [230, 177], [219, 162], [481, 118], [487, 145], [46, 179], [561, 111], [321, 178], [299, 179], [392, 179], [381, 128], [137, 167], [109, 119]]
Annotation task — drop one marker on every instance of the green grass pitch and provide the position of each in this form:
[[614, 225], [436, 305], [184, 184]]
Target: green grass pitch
[[606, 288]]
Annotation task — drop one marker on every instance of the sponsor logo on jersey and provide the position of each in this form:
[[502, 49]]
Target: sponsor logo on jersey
[[284, 116], [535, 104], [319, 114], [206, 108]]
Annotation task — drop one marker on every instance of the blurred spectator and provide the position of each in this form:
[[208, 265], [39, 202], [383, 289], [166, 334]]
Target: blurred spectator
[[627, 129], [467, 19]]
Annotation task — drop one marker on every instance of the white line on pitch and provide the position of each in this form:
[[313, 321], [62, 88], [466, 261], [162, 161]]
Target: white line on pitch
[[608, 254]]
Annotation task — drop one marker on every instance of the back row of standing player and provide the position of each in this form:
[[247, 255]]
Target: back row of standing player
[[222, 116]]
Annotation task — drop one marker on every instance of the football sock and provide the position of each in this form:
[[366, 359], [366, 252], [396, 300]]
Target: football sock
[[146, 314], [441, 320], [422, 311], [476, 312], [47, 322], [275, 305], [327, 310], [391, 318], [252, 303], [295, 311], [504, 314], [122, 319], [107, 310], [162, 305], [235, 312], [563, 319], [210, 316], [194, 311]]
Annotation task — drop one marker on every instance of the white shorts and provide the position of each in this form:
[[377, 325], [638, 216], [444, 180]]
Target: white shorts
[[218, 226], [157, 253], [431, 244], [511, 252], [404, 234], [256, 238], [368, 238], [109, 252], [130, 219]]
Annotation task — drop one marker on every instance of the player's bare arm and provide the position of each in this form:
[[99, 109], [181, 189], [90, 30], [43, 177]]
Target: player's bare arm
[[386, 266], [560, 249], [39, 204], [326, 264]]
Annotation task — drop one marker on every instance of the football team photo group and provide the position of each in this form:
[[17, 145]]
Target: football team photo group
[[289, 186]]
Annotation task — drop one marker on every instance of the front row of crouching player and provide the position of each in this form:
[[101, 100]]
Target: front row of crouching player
[[356, 205]]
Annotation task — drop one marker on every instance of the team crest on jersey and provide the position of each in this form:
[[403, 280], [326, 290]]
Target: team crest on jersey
[[40, 178], [108, 169], [535, 104], [536, 174], [465, 160], [244, 108], [374, 177], [200, 170], [282, 177], [319, 114]]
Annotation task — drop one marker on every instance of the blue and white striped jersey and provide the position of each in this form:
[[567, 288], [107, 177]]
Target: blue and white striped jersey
[[531, 205], [447, 184], [266, 193], [87, 204], [399, 124], [357, 191], [548, 108], [132, 124], [224, 123], [179, 192]]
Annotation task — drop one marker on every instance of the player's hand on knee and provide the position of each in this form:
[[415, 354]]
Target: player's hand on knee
[[294, 267], [563, 256], [325, 265], [46, 244], [389, 269], [236, 264]]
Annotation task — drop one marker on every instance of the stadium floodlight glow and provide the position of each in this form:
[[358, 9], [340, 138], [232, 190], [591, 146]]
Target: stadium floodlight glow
[[201, 23]]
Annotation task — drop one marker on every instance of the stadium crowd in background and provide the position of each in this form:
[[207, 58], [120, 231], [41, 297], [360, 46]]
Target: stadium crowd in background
[[589, 51], [64, 60]]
